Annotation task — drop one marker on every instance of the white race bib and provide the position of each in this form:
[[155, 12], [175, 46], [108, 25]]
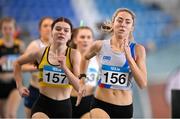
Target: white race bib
[[115, 76], [92, 75], [54, 75], [8, 65]]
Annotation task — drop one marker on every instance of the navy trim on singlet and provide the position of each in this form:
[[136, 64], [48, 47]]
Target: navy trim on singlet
[[132, 46]]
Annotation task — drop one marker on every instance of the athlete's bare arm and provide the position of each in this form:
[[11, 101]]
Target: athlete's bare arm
[[91, 52], [24, 59], [138, 66], [76, 59], [32, 47]]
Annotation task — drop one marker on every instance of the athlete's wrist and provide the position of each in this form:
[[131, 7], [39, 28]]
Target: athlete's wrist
[[64, 67], [81, 76], [19, 86], [130, 59]]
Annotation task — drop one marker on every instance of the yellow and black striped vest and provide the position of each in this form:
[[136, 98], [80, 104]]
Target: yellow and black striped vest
[[44, 62]]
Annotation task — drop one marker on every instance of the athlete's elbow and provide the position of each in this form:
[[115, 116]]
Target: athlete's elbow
[[143, 84], [16, 66], [16, 63]]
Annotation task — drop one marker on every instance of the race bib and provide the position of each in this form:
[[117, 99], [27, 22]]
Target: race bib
[[115, 76], [8, 65], [92, 75], [54, 75]]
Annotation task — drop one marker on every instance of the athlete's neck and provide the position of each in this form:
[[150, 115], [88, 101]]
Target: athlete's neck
[[117, 42], [58, 49], [82, 51], [8, 41], [45, 41]]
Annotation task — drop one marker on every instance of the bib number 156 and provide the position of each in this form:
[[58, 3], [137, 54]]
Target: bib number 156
[[115, 78]]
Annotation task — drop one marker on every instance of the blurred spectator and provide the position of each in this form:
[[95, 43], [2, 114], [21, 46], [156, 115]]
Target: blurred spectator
[[10, 49]]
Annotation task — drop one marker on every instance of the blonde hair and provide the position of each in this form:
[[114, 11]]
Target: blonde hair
[[107, 25]]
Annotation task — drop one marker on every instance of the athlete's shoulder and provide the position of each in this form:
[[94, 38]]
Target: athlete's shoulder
[[34, 43], [139, 47], [74, 52], [18, 42], [97, 45], [98, 42], [140, 50], [41, 52], [32, 46]]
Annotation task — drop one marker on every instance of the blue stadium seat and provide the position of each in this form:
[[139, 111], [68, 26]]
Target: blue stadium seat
[[33, 10]]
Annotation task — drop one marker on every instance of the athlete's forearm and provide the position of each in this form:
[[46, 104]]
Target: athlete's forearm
[[84, 65], [17, 74], [28, 67], [72, 79], [139, 75]]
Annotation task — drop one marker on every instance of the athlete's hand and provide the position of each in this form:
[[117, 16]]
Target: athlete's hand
[[127, 49], [23, 91], [62, 61], [81, 93]]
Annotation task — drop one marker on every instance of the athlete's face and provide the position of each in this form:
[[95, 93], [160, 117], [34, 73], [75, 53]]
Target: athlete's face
[[45, 28], [8, 29], [83, 39], [123, 24], [61, 32]]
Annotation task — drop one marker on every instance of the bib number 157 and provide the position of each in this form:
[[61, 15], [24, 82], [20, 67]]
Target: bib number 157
[[55, 77]]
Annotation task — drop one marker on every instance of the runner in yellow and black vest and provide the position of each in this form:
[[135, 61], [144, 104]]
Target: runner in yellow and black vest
[[10, 49], [58, 71]]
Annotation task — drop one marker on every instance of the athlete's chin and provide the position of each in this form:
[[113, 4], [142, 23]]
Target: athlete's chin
[[61, 41], [84, 48], [121, 35]]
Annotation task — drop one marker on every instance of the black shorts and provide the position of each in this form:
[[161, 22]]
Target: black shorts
[[82, 108], [53, 108], [114, 111], [33, 95], [175, 98], [6, 88]]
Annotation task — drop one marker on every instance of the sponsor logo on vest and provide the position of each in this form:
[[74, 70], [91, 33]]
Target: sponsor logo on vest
[[108, 58]]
